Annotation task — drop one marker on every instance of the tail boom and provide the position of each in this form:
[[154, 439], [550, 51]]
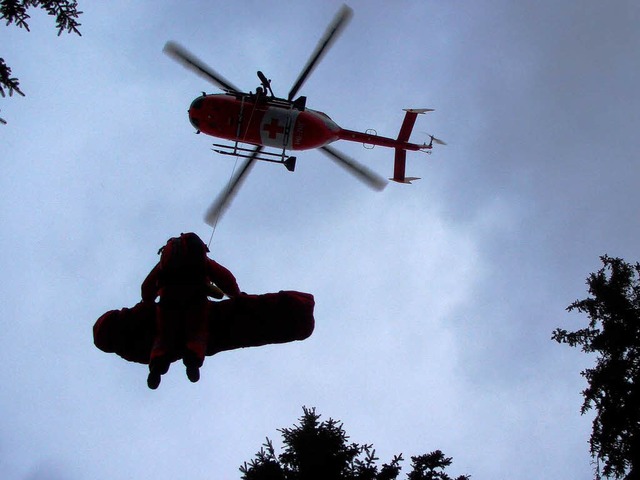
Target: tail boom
[[370, 139], [401, 144]]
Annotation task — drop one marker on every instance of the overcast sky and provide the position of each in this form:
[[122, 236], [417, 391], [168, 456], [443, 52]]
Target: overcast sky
[[435, 302]]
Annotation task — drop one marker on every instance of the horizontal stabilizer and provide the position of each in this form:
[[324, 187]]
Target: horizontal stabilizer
[[407, 180], [418, 110]]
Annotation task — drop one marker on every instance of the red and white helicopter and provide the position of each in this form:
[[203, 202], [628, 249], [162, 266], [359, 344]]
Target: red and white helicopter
[[263, 120]]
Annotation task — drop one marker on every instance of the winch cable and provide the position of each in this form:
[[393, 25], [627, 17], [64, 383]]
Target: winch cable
[[215, 224]]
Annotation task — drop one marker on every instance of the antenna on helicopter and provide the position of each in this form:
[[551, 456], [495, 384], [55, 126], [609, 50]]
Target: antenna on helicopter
[[266, 83]]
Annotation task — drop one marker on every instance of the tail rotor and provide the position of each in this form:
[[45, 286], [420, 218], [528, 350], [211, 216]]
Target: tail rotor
[[435, 140]]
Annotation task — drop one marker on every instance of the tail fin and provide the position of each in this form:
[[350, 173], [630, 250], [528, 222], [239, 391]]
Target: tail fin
[[403, 136], [399, 167], [409, 120]]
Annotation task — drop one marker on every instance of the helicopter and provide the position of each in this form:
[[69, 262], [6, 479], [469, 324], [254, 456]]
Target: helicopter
[[262, 120]]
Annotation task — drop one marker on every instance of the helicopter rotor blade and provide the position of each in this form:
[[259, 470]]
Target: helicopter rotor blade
[[364, 174], [222, 202], [190, 61], [335, 28]]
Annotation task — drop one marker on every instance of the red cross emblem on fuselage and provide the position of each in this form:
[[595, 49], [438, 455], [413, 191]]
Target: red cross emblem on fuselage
[[273, 128]]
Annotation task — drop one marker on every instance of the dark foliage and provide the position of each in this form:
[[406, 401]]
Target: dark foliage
[[431, 467], [614, 383], [315, 450], [15, 12], [7, 81]]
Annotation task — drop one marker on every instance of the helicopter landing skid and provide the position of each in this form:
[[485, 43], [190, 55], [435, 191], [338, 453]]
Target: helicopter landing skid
[[236, 151]]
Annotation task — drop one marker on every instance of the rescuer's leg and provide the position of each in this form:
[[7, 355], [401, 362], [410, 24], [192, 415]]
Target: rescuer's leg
[[162, 347], [197, 337]]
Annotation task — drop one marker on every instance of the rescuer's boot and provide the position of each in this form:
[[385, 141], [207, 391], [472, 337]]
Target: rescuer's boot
[[157, 368], [193, 373], [193, 363], [153, 380]]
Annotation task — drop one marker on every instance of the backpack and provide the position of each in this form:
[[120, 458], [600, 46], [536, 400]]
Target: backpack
[[183, 260]]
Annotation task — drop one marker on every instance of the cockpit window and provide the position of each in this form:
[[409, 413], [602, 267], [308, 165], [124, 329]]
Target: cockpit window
[[197, 103]]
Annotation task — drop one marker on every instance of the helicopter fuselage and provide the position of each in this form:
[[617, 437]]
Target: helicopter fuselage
[[262, 120], [269, 121]]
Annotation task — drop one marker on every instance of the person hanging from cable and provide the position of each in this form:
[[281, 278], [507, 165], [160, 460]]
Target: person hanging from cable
[[183, 279]]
